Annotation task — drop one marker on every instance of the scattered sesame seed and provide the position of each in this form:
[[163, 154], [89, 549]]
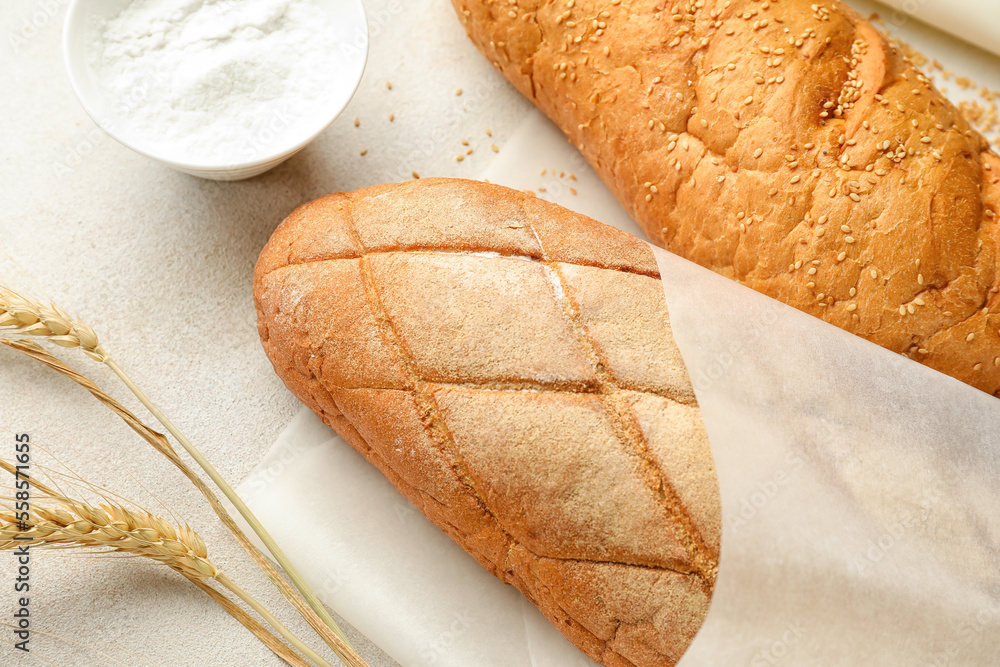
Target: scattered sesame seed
[[489, 132], [415, 174], [572, 191], [357, 122], [758, 152], [458, 92], [388, 84], [968, 339], [494, 148], [392, 117], [852, 307], [460, 158]]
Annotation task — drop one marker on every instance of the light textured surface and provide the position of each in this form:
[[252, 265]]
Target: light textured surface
[[161, 264]]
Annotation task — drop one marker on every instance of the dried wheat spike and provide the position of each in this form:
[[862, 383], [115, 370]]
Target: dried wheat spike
[[112, 528], [26, 316]]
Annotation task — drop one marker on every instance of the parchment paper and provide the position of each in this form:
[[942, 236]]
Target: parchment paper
[[975, 21]]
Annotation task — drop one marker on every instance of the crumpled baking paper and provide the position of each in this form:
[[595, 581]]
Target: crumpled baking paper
[[860, 494]]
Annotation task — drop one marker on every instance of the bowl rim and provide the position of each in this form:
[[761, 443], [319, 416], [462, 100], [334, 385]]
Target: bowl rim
[[233, 167]]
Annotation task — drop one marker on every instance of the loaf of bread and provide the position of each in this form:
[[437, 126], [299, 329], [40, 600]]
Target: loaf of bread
[[785, 144], [509, 366]]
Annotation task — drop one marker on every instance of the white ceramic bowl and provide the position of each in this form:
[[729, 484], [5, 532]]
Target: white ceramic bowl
[[347, 19]]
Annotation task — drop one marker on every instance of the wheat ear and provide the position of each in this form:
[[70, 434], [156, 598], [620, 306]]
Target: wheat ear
[[25, 316], [21, 308], [114, 528], [110, 527]]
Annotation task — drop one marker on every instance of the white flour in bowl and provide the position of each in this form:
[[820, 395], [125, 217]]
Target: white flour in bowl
[[216, 81]]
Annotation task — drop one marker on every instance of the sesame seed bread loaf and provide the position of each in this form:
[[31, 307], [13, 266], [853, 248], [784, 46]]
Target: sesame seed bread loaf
[[509, 366], [785, 144]]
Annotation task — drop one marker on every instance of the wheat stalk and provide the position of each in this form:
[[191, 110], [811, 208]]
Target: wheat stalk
[[160, 443], [25, 315]]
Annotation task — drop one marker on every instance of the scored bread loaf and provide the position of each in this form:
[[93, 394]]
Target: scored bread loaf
[[510, 367], [785, 144]]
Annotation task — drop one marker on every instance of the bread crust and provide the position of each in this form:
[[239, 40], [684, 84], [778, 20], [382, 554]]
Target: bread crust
[[786, 145], [509, 366]]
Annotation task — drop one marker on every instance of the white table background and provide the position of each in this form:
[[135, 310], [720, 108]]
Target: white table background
[[160, 264]]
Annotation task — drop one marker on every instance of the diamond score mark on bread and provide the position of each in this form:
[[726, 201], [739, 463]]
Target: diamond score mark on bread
[[509, 366], [785, 144]]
